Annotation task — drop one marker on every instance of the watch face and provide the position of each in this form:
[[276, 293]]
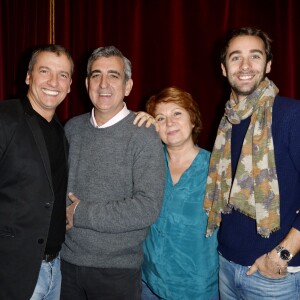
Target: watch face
[[285, 254]]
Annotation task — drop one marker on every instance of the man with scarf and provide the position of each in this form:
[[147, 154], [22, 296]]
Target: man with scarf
[[253, 187]]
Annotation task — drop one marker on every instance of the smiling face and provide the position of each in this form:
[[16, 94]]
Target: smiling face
[[106, 86], [49, 82], [175, 127], [245, 65]]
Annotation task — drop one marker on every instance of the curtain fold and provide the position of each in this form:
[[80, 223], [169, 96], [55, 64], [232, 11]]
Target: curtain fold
[[170, 42], [23, 25], [52, 21]]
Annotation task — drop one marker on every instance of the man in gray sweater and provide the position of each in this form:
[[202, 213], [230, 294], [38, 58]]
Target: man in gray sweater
[[116, 184]]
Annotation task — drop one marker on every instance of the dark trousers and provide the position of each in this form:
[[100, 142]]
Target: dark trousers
[[87, 283]]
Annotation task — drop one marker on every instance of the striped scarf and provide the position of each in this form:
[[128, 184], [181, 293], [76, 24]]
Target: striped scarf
[[254, 190]]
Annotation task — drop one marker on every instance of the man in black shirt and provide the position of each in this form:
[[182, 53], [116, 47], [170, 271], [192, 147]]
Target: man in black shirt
[[33, 180]]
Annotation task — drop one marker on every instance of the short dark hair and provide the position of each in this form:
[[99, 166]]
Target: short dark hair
[[57, 49], [184, 100], [250, 31]]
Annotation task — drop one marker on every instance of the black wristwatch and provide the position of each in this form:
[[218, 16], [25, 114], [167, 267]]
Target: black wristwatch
[[284, 253]]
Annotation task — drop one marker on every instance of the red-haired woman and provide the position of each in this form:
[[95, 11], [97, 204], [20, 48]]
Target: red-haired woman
[[179, 261]]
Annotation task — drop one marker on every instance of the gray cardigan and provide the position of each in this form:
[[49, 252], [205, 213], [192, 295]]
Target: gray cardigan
[[118, 174]]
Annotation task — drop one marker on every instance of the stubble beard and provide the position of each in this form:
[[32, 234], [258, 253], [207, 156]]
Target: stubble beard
[[239, 92]]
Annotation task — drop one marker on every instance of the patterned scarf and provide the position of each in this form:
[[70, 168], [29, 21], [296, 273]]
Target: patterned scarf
[[254, 190]]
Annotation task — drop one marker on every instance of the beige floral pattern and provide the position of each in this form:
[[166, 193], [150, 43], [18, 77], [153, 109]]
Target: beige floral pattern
[[254, 190]]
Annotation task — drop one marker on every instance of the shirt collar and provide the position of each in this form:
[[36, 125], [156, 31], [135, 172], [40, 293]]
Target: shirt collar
[[115, 119]]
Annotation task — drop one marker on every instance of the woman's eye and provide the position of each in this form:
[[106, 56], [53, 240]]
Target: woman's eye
[[177, 114], [159, 119]]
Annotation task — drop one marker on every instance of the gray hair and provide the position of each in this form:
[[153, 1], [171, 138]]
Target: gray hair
[[52, 48], [108, 52]]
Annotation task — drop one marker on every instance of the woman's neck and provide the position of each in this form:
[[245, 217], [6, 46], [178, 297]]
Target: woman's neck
[[180, 159]]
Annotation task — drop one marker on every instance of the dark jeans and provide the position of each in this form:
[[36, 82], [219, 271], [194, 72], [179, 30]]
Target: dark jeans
[[87, 283]]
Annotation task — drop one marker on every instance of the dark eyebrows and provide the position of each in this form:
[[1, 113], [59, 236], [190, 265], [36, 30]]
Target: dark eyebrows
[[109, 72], [257, 51], [234, 52], [114, 72], [44, 67], [94, 71], [239, 52]]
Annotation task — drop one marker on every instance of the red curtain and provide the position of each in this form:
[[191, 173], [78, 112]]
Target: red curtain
[[169, 42], [24, 24]]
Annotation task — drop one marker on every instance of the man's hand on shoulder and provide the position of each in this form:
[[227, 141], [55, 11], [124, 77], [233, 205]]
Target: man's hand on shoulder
[[142, 117]]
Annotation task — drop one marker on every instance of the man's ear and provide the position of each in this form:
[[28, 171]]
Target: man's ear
[[224, 72], [128, 87], [268, 68], [69, 90], [27, 79]]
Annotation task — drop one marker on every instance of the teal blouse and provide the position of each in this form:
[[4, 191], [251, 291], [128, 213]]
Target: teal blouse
[[179, 261]]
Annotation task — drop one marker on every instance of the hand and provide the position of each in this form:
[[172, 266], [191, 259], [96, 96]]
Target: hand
[[269, 265], [71, 210], [142, 117]]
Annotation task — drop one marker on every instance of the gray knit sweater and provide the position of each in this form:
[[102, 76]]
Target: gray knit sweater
[[118, 174]]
